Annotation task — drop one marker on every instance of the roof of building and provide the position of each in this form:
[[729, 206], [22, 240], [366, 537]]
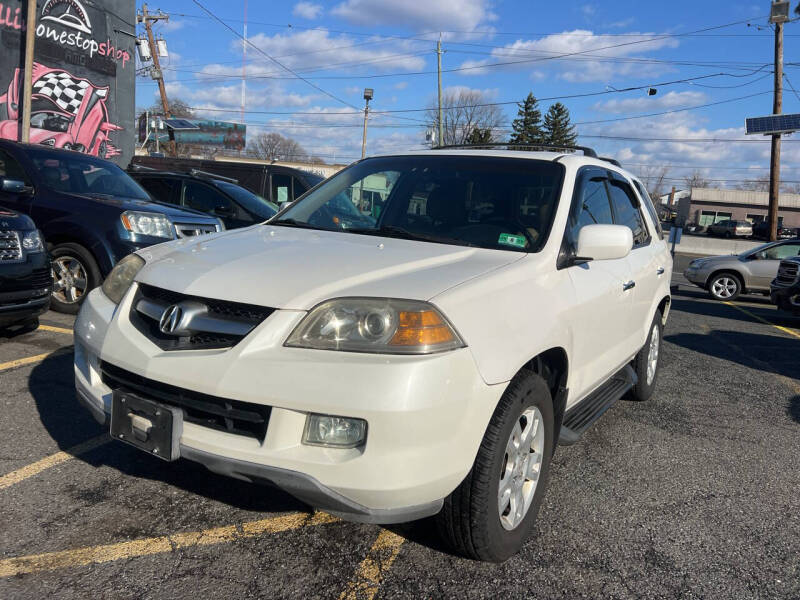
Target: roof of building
[[744, 197]]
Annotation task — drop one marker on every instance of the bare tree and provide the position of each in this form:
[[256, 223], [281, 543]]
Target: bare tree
[[177, 108], [464, 111], [760, 184], [654, 179], [695, 180], [273, 146]]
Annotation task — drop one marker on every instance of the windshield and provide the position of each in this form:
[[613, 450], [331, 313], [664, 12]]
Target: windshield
[[80, 174], [488, 202], [252, 202], [758, 249], [50, 122]]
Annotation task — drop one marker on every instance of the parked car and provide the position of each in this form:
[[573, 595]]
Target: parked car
[[761, 231], [785, 288], [91, 213], [426, 364], [208, 193], [695, 228], [25, 281], [277, 183], [730, 228], [725, 277]]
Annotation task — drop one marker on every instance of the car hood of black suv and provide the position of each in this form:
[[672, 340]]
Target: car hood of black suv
[[125, 203], [10, 219]]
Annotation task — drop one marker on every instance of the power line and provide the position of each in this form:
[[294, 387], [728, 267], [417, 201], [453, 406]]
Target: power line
[[276, 61]]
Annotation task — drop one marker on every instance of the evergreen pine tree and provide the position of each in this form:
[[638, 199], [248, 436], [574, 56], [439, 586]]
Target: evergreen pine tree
[[527, 127], [479, 136], [557, 129]]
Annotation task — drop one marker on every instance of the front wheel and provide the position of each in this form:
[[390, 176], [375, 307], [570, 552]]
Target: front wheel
[[646, 363], [724, 286], [75, 274], [490, 515]]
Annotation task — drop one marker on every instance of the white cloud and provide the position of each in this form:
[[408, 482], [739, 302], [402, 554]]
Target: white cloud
[[433, 15], [668, 101], [488, 94], [400, 85], [588, 10], [307, 10], [579, 55]]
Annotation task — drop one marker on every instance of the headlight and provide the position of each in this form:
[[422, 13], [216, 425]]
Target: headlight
[[49, 142], [147, 223], [32, 241], [380, 325], [121, 277]]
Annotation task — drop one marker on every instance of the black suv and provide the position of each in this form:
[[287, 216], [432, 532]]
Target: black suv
[[25, 281], [91, 213], [784, 291], [209, 193]]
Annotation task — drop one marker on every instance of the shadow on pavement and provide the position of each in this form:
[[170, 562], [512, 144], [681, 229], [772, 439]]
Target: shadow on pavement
[[771, 353], [687, 303], [69, 423], [794, 408]]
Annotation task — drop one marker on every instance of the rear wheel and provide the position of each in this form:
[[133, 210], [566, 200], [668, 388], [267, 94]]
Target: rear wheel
[[75, 274], [646, 363], [490, 515], [724, 286]]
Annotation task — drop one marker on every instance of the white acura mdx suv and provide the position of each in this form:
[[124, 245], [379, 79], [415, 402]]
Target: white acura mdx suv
[[422, 359]]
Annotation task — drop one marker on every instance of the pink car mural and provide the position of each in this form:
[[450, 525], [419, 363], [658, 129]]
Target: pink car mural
[[66, 112]]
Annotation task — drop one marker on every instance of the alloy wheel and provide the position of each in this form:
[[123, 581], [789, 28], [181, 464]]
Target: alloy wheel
[[652, 355], [522, 466], [69, 279], [724, 287]]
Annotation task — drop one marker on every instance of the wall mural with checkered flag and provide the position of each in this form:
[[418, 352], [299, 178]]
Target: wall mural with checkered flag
[[83, 75]]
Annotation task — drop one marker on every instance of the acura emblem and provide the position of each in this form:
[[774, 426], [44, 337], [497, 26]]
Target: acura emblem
[[170, 319]]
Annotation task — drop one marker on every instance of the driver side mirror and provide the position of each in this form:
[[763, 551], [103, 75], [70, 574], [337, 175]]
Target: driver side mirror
[[14, 186], [604, 242]]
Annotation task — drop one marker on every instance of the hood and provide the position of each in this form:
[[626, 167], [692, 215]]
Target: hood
[[126, 203], [10, 219], [284, 267], [709, 260]]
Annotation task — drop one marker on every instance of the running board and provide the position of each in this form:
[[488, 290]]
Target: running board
[[582, 416]]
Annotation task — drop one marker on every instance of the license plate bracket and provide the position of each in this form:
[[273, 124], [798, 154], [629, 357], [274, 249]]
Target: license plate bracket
[[152, 427]]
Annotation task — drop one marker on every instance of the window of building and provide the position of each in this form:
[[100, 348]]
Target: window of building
[[755, 218]]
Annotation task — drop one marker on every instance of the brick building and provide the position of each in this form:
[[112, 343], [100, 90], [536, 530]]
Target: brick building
[[706, 206]]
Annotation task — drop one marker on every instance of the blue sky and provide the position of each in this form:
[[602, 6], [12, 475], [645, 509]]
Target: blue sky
[[345, 45]]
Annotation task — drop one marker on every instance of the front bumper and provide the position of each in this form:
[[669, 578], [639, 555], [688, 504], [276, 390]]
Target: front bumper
[[696, 276], [25, 289], [786, 297], [426, 415]]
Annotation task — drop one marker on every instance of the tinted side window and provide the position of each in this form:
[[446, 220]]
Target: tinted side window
[[626, 211], [593, 205], [299, 188], [11, 169], [160, 188], [648, 204], [281, 188], [204, 198]]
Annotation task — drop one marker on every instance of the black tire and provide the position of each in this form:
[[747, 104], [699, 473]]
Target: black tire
[[643, 389], [728, 235], [60, 300], [724, 286], [470, 521]]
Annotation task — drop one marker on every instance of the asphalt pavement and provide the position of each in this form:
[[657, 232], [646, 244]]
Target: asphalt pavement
[[693, 494]]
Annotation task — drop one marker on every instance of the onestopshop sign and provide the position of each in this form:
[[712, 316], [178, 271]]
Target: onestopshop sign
[[65, 22]]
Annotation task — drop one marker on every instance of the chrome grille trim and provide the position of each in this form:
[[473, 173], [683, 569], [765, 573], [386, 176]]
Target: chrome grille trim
[[10, 247], [187, 230], [787, 272]]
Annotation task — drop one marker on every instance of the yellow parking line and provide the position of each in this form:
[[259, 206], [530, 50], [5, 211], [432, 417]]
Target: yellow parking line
[[56, 329], [370, 572], [78, 557], [51, 461], [763, 320], [20, 362]]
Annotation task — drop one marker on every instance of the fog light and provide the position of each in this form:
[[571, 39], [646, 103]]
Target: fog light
[[335, 432]]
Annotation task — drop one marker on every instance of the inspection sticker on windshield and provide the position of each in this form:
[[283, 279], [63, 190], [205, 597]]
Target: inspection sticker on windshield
[[517, 241]]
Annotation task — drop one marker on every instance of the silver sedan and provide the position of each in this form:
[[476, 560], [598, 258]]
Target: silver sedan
[[725, 277]]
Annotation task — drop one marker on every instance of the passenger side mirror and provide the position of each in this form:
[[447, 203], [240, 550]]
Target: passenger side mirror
[[224, 211], [14, 186], [604, 242]]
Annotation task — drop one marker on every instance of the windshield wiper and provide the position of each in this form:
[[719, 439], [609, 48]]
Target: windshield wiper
[[296, 223], [399, 232]]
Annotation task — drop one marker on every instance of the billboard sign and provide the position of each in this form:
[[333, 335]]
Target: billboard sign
[[219, 134]]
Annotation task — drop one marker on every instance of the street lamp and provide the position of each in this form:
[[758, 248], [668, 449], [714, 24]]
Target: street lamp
[[368, 93]]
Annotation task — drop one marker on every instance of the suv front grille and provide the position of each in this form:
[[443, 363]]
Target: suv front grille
[[225, 323], [38, 279], [184, 230], [231, 416], [787, 272], [10, 248]]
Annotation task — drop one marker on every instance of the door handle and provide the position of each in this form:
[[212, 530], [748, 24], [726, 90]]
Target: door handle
[[626, 286], [660, 271]]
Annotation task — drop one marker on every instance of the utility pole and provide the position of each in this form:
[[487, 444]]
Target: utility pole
[[368, 93], [27, 91], [439, 73], [244, 60], [155, 72], [775, 155]]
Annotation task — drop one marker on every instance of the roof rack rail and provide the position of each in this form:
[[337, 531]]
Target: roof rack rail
[[137, 167], [199, 173], [613, 161], [529, 147]]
